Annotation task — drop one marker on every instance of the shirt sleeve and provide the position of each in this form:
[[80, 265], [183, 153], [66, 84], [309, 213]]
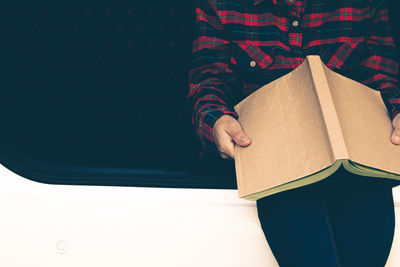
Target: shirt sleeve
[[379, 66], [210, 77]]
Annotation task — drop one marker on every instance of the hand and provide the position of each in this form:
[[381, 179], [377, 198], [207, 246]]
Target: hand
[[227, 132], [396, 130]]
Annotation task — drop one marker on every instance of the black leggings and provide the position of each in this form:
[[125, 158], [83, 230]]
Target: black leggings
[[344, 220]]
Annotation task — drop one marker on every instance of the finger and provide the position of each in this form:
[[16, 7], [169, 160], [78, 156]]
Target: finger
[[224, 143], [225, 156], [395, 138], [227, 149], [239, 137]]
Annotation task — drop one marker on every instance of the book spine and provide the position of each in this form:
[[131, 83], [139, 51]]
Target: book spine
[[331, 119]]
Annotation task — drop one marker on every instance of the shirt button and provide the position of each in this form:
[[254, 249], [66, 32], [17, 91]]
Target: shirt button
[[252, 63], [290, 1], [295, 23]]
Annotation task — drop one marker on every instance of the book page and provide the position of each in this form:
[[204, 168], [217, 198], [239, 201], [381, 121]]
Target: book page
[[365, 124], [289, 138], [313, 178]]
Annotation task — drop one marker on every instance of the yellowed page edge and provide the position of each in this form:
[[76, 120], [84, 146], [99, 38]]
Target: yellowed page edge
[[363, 170], [315, 177]]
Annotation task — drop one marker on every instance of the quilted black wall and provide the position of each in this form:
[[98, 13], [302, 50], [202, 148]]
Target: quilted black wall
[[102, 84]]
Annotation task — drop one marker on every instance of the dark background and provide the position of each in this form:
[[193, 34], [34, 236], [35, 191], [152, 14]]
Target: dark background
[[93, 92]]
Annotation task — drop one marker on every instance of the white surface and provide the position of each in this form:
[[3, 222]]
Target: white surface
[[59, 225]]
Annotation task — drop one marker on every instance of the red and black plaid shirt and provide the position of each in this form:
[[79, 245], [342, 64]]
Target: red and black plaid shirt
[[241, 45]]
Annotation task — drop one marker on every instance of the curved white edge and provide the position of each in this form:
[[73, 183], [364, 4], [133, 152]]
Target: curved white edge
[[12, 183]]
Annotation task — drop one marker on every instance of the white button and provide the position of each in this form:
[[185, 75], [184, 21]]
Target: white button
[[252, 64], [290, 1], [295, 23]]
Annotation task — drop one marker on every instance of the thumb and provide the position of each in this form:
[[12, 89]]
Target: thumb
[[239, 137]]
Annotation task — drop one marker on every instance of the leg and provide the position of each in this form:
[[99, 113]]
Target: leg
[[361, 210], [297, 228]]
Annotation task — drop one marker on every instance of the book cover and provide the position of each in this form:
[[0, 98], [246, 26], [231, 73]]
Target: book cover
[[305, 124]]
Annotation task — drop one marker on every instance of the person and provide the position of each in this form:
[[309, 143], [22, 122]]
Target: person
[[241, 45]]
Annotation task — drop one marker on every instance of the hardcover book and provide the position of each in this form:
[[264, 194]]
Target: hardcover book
[[306, 124]]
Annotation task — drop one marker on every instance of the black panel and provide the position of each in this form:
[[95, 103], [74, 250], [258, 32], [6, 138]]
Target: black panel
[[101, 85]]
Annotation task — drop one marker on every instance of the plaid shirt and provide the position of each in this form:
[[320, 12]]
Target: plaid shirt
[[241, 45]]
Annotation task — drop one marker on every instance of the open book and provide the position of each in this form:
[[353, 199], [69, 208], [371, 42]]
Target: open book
[[304, 125]]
